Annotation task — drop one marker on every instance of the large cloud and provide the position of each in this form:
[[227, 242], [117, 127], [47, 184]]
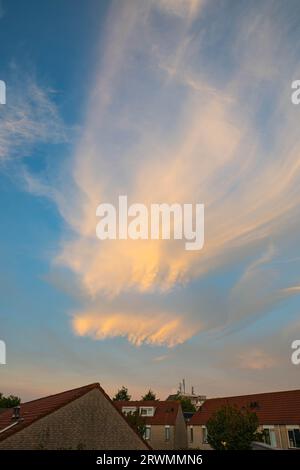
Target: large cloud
[[161, 127]]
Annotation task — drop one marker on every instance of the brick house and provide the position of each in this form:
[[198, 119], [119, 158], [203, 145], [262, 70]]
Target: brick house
[[83, 418], [164, 420], [278, 415]]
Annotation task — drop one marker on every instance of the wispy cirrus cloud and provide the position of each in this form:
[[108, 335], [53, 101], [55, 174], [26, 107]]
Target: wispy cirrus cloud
[[181, 8], [161, 126], [28, 118]]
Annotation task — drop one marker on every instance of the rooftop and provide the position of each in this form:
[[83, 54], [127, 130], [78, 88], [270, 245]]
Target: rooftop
[[165, 411], [271, 408], [36, 409]]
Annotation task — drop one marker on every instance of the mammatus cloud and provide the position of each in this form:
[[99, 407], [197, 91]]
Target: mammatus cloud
[[161, 127]]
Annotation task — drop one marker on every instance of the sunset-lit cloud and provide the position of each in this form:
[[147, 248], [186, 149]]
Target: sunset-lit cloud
[[212, 152], [161, 127], [138, 328], [165, 101]]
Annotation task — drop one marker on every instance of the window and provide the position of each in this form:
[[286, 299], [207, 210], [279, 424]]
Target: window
[[167, 433], [204, 434], [128, 410], [294, 437], [254, 404], [270, 436], [147, 411], [147, 434], [191, 434]]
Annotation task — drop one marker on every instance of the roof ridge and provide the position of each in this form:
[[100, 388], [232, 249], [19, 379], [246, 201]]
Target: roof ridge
[[254, 394], [83, 388]]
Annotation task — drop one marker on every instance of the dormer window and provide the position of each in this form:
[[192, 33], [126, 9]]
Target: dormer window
[[147, 410], [127, 410]]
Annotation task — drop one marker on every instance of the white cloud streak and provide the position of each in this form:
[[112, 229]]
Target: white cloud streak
[[29, 117]]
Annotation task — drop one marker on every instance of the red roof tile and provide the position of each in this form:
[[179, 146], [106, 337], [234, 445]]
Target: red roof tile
[[165, 411], [271, 408]]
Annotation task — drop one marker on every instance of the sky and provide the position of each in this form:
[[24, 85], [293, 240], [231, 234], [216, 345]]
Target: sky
[[164, 101]]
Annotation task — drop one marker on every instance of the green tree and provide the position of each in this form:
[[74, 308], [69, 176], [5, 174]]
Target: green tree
[[122, 395], [137, 422], [186, 403], [9, 402], [150, 395], [232, 429]]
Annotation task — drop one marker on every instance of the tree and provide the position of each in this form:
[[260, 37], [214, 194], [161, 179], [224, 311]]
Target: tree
[[122, 395], [150, 395], [232, 429], [9, 402], [137, 422], [186, 403]]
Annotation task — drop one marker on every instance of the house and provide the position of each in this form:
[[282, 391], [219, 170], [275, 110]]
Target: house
[[164, 421], [278, 416], [83, 418]]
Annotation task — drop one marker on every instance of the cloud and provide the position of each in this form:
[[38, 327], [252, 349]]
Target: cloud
[[256, 359], [257, 289], [29, 117], [180, 8], [291, 290], [160, 358], [162, 126], [138, 328]]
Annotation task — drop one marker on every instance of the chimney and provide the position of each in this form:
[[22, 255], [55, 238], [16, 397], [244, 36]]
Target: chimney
[[16, 413], [183, 386]]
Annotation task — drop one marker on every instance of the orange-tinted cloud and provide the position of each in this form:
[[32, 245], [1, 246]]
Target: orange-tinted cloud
[[210, 151], [137, 327]]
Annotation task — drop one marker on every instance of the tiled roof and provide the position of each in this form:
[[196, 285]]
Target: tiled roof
[[271, 408], [165, 411], [36, 409]]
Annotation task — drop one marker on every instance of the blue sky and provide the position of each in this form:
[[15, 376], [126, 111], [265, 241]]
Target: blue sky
[[169, 101]]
